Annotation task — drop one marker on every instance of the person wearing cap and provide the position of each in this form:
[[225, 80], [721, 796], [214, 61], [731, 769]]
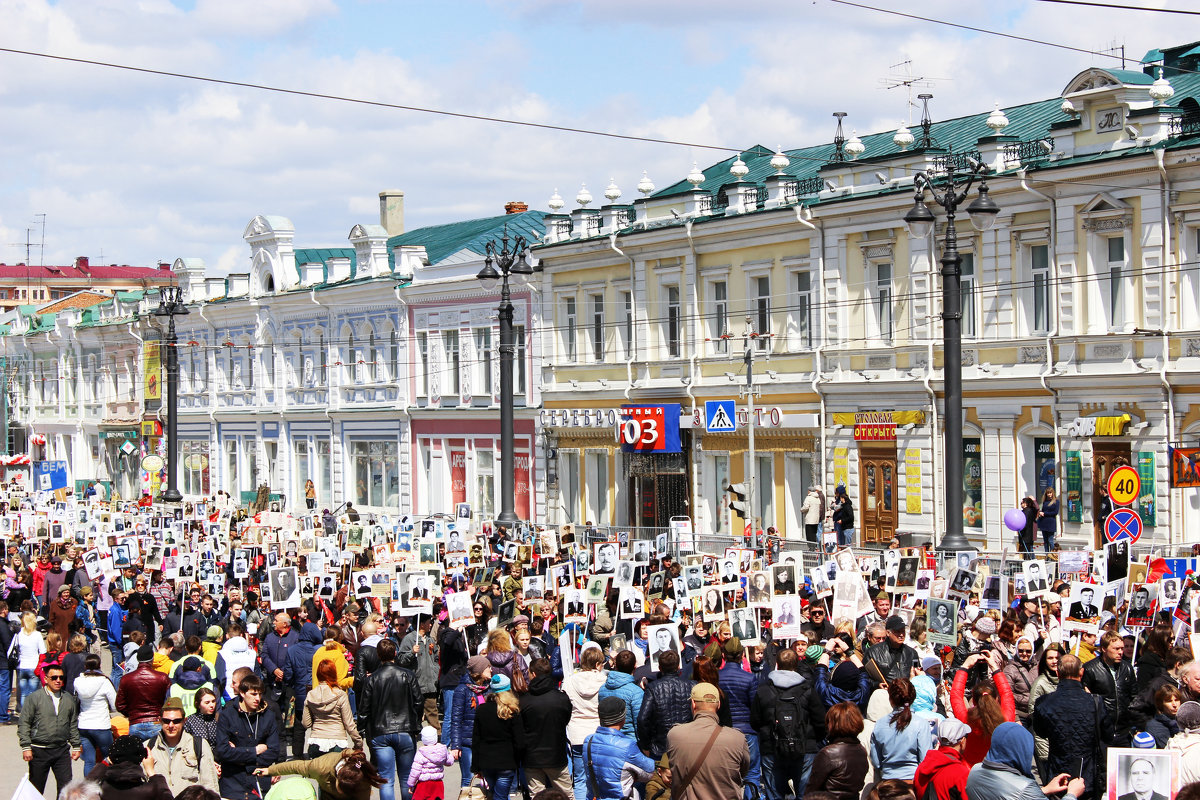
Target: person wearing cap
[[892, 657], [1187, 742], [183, 760], [498, 737], [211, 648], [467, 696], [61, 611], [612, 761], [1076, 729], [1006, 773], [944, 769], [141, 694], [1111, 677], [129, 774], [740, 688], [708, 762], [786, 691]]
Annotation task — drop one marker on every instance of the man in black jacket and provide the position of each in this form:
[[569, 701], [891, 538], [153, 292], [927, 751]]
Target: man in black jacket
[[389, 717], [892, 657], [665, 704], [786, 683], [1111, 677], [1076, 727], [546, 709]]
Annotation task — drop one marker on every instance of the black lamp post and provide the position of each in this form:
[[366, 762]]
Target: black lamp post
[[498, 266], [170, 305], [920, 222]]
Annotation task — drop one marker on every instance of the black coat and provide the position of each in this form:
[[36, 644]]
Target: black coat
[[1116, 691], [390, 702], [497, 744], [665, 704], [452, 650], [238, 735], [893, 662], [762, 712], [1077, 728], [545, 711]]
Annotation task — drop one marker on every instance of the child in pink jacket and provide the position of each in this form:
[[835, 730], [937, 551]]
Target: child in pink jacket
[[425, 777]]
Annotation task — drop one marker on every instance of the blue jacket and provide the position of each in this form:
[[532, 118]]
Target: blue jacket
[[739, 687], [463, 717], [608, 757], [238, 735], [831, 695], [275, 652], [620, 684], [298, 669], [116, 622]]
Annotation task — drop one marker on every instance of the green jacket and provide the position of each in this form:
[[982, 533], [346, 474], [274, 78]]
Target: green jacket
[[41, 727]]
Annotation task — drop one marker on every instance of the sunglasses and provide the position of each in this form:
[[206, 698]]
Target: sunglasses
[[55, 678], [172, 721], [1025, 652]]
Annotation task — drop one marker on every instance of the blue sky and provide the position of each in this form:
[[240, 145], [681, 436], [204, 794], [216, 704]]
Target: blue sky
[[138, 169]]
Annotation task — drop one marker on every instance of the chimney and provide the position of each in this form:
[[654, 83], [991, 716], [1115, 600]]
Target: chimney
[[515, 207], [163, 265], [81, 263], [391, 211]]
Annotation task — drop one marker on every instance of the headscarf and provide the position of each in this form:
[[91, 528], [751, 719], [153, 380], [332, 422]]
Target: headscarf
[[1012, 747]]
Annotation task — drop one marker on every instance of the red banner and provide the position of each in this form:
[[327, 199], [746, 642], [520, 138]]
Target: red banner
[[875, 432], [458, 476], [521, 485]]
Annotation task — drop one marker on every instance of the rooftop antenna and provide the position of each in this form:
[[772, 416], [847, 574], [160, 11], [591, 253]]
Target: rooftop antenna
[[1114, 49], [42, 246], [901, 75]]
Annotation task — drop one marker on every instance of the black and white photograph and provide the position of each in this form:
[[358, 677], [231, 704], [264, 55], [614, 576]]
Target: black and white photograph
[[727, 570], [657, 587], [694, 575], [559, 578], [121, 558], [597, 588], [639, 551], [605, 558], [943, 621], [632, 604], [1168, 592], [759, 590], [743, 624], [965, 558], [714, 605], [992, 598], [1116, 557], [785, 580], [285, 588], [1136, 774], [1081, 611], [414, 592], [506, 613], [660, 639], [961, 583], [821, 584], [533, 587], [1142, 606], [361, 584], [574, 605], [1036, 580], [460, 609], [785, 618], [429, 553], [906, 574], [624, 574]]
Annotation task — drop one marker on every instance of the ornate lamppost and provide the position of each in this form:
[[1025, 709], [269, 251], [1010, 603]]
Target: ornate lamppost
[[170, 305]]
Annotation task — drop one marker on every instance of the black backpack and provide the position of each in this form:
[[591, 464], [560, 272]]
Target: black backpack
[[791, 722]]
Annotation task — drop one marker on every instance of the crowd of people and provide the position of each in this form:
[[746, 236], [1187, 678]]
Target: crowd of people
[[543, 664]]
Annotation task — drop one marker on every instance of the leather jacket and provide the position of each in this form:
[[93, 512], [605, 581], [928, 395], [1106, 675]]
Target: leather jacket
[[1116, 690], [391, 702], [893, 662], [840, 768], [141, 693]]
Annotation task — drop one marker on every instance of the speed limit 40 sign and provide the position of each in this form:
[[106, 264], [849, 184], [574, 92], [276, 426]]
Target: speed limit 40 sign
[[1124, 486]]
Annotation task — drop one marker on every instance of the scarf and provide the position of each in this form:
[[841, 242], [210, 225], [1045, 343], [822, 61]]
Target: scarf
[[64, 604], [1012, 747]]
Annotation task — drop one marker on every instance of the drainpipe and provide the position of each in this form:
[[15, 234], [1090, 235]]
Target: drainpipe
[[612, 242], [1170, 395], [934, 429], [1164, 201], [1053, 333], [804, 216], [687, 229]]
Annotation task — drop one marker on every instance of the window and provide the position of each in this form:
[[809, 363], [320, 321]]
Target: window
[[764, 490], [194, 453], [568, 482], [231, 469], [302, 467], [718, 326], [423, 376], [450, 340], [269, 366], [483, 361], [394, 356], [1039, 268], [351, 362], [762, 311], [372, 359], [568, 330], [674, 322], [323, 355], [324, 474], [1116, 283], [627, 344], [519, 359], [485, 484], [597, 303], [716, 493], [883, 299], [597, 481], [376, 480], [802, 309], [966, 291]]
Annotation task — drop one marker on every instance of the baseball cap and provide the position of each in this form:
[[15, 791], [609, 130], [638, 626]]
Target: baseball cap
[[952, 731], [707, 693], [895, 624]]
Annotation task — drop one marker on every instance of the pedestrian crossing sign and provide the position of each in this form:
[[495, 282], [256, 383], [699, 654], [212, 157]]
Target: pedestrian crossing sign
[[720, 416]]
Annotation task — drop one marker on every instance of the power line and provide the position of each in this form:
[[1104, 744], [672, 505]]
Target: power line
[[1122, 7]]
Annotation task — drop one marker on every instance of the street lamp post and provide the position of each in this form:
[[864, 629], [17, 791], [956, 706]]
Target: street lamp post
[[498, 266], [170, 305], [921, 221]]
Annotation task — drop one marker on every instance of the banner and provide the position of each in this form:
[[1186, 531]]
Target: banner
[[1073, 501], [912, 480], [1145, 468], [1043, 463], [152, 371], [458, 476], [649, 428], [972, 482], [841, 466], [1185, 467], [521, 484]]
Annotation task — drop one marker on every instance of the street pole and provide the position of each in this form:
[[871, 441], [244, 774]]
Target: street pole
[[507, 516], [170, 305], [751, 463]]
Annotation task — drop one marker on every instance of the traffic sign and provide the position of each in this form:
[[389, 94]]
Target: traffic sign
[[1124, 485], [720, 416], [1122, 524]]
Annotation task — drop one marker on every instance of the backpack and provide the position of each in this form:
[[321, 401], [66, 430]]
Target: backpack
[[791, 721]]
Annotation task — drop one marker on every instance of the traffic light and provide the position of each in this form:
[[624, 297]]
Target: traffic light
[[737, 503]]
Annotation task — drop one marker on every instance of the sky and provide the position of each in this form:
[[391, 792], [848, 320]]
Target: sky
[[132, 168]]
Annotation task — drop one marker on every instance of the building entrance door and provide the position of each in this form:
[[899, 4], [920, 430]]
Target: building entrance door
[[877, 493], [1106, 456]]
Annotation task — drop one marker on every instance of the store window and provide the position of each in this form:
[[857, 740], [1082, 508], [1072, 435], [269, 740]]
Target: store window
[[194, 453], [485, 484], [719, 479], [568, 482], [598, 483], [376, 479]]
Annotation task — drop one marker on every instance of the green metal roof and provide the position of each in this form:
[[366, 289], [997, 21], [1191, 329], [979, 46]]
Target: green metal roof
[[1154, 54], [442, 241]]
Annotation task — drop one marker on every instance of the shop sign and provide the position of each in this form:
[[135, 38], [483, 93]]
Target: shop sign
[[649, 428], [118, 434], [51, 475], [521, 485], [579, 418], [1083, 427], [1185, 467], [152, 370], [877, 426], [972, 482], [1043, 462], [912, 480], [152, 463], [151, 428], [764, 417]]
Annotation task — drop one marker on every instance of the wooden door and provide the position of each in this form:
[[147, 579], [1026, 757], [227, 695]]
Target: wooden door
[[877, 494], [1106, 456]]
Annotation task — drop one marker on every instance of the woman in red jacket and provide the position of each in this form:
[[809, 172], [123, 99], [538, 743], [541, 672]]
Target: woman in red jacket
[[991, 705], [944, 769]]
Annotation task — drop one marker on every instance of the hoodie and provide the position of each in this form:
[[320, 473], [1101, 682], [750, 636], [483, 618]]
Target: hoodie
[[620, 684], [296, 670], [429, 761], [235, 654], [583, 690], [925, 705], [335, 652], [765, 704], [942, 770], [188, 675]]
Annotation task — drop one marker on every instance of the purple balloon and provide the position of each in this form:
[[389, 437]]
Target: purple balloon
[[1014, 519]]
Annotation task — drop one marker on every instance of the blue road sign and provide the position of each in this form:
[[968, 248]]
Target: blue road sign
[[720, 416], [1122, 524]]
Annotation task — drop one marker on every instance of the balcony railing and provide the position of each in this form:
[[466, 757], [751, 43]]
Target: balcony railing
[[1031, 152], [808, 187]]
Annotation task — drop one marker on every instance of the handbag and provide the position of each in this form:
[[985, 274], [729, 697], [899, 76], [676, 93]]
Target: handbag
[[14, 654]]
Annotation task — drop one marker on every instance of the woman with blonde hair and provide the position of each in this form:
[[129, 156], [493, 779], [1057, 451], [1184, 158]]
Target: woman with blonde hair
[[506, 661], [327, 715], [27, 646], [498, 738]]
